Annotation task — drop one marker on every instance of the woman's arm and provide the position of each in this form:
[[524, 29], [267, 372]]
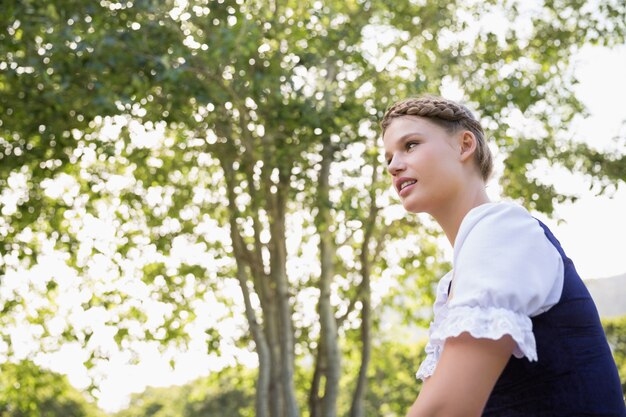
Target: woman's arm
[[466, 373]]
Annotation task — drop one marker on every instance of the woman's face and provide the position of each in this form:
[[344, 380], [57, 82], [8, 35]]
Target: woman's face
[[424, 161]]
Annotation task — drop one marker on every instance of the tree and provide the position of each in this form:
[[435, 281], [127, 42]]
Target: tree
[[225, 393], [29, 391], [262, 154]]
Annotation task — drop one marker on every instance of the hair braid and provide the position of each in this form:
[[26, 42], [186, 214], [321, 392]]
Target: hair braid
[[449, 115]]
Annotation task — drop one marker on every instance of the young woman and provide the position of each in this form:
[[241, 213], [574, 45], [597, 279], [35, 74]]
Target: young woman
[[515, 331]]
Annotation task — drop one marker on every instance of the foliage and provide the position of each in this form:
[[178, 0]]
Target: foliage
[[229, 392], [392, 382], [615, 330], [157, 402], [26, 390]]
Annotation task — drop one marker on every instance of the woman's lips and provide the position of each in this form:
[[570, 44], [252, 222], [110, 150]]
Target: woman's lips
[[406, 189]]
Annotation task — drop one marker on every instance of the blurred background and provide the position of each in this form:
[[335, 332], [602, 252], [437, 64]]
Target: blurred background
[[195, 218]]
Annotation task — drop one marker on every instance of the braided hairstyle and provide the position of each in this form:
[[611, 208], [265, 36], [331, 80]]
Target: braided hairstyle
[[449, 115]]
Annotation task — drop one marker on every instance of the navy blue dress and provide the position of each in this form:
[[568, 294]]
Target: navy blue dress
[[575, 374]]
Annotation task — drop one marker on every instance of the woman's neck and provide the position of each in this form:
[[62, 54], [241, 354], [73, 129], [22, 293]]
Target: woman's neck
[[451, 216]]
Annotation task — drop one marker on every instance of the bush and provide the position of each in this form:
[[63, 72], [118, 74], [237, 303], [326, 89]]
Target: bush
[[26, 390], [228, 393], [615, 330]]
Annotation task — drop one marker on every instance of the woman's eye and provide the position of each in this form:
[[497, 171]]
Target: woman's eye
[[411, 145]]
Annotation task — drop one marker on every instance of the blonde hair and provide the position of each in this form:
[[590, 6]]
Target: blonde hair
[[451, 116]]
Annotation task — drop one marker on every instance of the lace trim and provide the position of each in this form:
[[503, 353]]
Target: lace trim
[[480, 322], [489, 323], [427, 367]]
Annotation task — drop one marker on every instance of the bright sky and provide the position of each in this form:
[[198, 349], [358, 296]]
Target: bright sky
[[593, 235]]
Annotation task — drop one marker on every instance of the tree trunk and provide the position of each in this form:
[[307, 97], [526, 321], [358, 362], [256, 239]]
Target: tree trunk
[[262, 348], [357, 408], [272, 328], [262, 395], [358, 400], [328, 323], [278, 267], [315, 404]]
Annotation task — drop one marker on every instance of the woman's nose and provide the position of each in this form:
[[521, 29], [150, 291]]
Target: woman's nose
[[395, 165]]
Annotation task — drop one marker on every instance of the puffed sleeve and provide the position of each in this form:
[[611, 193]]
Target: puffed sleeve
[[505, 271]]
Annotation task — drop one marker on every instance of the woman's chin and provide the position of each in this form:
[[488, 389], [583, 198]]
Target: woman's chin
[[413, 206]]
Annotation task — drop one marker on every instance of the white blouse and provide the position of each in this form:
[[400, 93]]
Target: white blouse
[[505, 270]]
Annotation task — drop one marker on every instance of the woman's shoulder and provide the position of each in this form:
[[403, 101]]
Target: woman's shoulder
[[497, 219], [497, 208], [503, 258]]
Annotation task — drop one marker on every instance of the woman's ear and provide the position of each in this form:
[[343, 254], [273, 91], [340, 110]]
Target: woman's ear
[[468, 145]]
